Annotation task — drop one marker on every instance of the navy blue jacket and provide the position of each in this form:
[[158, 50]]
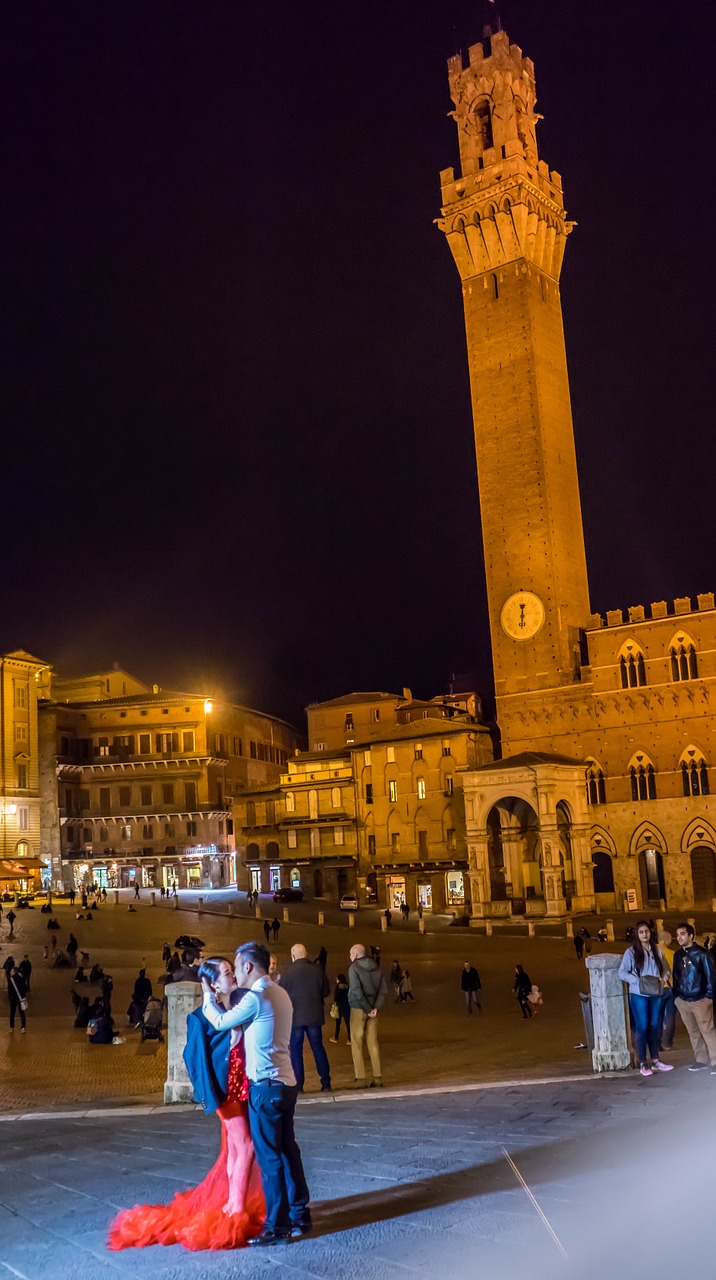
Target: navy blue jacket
[[206, 1058]]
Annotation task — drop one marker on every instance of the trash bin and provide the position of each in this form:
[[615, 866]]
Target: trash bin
[[586, 1003]]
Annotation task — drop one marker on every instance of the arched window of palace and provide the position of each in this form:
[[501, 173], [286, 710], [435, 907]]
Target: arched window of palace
[[643, 778], [694, 773], [684, 664], [632, 669], [483, 125], [596, 787]]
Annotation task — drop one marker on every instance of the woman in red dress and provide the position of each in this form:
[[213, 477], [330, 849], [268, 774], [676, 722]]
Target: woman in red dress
[[228, 1206]]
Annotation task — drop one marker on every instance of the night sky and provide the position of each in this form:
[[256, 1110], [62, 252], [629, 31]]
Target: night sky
[[238, 450]]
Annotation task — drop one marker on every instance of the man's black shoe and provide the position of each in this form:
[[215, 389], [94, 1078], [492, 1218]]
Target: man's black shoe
[[327, 1088], [270, 1237], [299, 1229]]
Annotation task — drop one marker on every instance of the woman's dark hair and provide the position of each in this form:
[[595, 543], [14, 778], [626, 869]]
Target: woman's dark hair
[[341, 977], [518, 968], [640, 953], [209, 969]]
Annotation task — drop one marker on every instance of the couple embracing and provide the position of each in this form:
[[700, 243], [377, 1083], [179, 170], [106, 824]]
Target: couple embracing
[[248, 1079]]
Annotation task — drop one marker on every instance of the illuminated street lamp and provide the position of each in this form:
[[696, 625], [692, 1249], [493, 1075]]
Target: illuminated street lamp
[[208, 706]]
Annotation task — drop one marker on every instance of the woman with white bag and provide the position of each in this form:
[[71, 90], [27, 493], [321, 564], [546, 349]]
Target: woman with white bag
[[17, 995]]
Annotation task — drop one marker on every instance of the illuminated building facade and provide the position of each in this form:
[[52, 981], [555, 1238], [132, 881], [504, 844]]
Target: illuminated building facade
[[606, 721], [374, 808], [21, 865], [138, 781]]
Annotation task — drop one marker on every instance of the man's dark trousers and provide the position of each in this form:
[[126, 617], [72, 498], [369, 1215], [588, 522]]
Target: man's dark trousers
[[271, 1107], [315, 1039]]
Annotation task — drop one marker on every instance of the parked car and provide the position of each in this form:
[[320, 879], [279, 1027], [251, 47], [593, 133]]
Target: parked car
[[349, 902], [288, 895]]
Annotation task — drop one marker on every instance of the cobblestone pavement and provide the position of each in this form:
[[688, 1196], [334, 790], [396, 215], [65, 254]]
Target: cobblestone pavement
[[418, 1185], [431, 1041]]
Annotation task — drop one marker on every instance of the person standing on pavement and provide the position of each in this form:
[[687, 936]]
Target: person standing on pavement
[[406, 988], [25, 968], [644, 969], [388, 916], [267, 931], [522, 987], [71, 947], [307, 987], [668, 1005], [367, 993], [72, 895], [17, 996], [579, 945], [275, 926], [470, 986], [396, 974], [694, 982], [11, 918], [341, 1009]]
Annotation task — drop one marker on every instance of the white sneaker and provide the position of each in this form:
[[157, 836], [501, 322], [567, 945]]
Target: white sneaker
[[662, 1066]]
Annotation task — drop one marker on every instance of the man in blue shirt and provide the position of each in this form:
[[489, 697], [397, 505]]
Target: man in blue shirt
[[266, 1016]]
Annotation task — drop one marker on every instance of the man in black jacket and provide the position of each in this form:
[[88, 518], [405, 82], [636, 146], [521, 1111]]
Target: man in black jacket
[[693, 978], [470, 983], [307, 985]]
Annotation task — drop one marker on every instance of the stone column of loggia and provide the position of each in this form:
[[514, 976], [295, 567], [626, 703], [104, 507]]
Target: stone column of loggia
[[182, 999], [611, 1051]]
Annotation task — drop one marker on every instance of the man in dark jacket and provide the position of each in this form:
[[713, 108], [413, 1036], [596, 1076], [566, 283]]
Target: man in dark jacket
[[367, 993], [471, 986], [307, 985], [693, 980], [188, 971]]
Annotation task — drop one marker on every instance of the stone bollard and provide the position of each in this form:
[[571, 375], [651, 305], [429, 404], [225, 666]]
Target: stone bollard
[[285, 915], [321, 917], [200, 905], [116, 897], [611, 1050], [257, 912], [153, 899], [610, 930], [182, 999], [713, 904], [488, 928], [689, 920], [383, 924], [175, 900], [570, 928], [351, 920], [421, 926], [659, 922], [530, 928]]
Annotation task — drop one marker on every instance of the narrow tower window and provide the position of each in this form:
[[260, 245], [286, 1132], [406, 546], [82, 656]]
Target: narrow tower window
[[483, 122], [683, 662]]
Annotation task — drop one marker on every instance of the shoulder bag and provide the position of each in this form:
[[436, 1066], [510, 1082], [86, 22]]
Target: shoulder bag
[[650, 985], [23, 1003]]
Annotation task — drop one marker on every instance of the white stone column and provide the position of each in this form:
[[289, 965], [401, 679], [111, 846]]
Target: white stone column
[[611, 1051], [182, 999]]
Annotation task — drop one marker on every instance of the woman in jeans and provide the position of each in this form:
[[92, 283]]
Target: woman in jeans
[[340, 1000], [644, 968]]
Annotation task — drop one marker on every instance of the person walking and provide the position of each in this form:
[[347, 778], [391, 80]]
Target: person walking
[[11, 918], [136, 890], [367, 993], [388, 916], [522, 987], [17, 997], [406, 988], [405, 912], [579, 945], [8, 966], [275, 926], [71, 947], [266, 1015], [25, 968], [341, 1009], [694, 982], [267, 931], [396, 974], [307, 987], [470, 986], [644, 968]]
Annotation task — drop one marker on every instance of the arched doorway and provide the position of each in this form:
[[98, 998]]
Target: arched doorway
[[371, 884], [651, 873], [603, 871], [703, 874], [496, 856], [512, 843]]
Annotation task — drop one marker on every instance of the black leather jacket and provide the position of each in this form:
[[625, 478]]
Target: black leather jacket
[[694, 973]]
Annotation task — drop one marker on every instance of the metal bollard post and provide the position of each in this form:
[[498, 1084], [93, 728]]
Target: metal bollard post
[[153, 899], [321, 917]]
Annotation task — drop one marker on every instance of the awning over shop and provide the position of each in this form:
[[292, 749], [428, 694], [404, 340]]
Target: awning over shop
[[18, 868]]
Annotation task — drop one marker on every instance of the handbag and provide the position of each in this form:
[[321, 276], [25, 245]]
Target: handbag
[[650, 985], [334, 1011]]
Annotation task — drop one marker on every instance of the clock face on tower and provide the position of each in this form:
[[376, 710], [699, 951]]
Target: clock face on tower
[[522, 615]]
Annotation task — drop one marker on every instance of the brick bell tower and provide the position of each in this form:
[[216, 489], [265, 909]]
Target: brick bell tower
[[505, 222]]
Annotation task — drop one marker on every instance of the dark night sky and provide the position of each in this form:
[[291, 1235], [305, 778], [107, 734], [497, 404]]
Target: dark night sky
[[238, 446]]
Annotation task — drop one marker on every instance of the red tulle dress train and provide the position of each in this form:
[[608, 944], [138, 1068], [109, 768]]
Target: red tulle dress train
[[226, 1208]]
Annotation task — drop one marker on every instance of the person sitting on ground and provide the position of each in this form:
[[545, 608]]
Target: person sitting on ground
[[188, 971], [82, 1015], [52, 923], [61, 961], [80, 975], [96, 973], [103, 1032], [76, 1000], [132, 909]]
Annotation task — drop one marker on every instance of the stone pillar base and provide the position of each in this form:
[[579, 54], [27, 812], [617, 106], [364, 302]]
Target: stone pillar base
[[616, 1061], [182, 998]]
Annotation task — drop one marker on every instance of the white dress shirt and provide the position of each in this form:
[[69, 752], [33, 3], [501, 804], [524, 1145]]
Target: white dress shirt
[[266, 1015]]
